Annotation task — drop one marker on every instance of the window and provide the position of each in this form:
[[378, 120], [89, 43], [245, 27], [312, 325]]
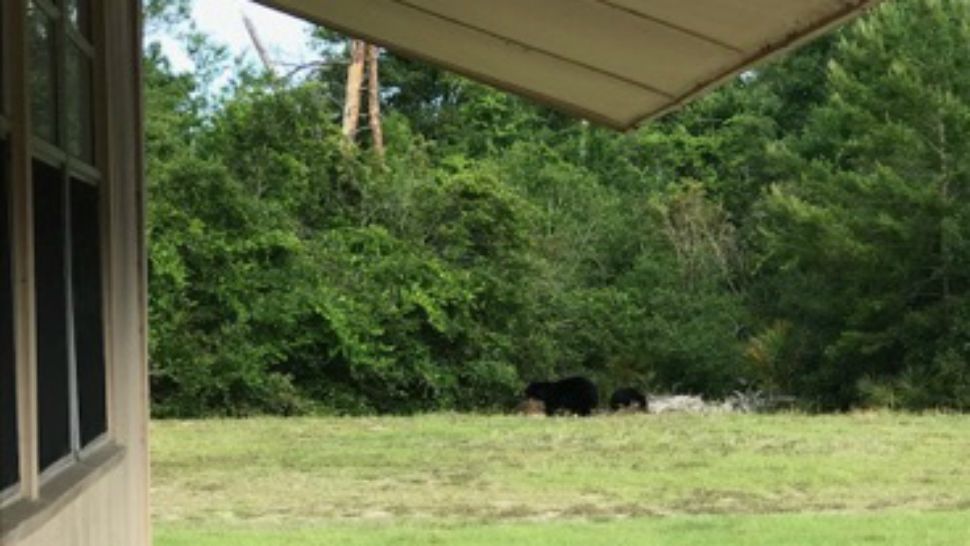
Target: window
[[70, 353], [43, 71], [71, 374], [9, 456], [53, 378], [88, 320], [70, 399], [3, 62], [61, 74], [52, 163]]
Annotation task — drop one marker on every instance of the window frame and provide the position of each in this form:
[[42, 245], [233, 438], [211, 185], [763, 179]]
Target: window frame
[[23, 149], [70, 168]]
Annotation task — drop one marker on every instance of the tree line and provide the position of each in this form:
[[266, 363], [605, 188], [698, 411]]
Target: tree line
[[803, 230]]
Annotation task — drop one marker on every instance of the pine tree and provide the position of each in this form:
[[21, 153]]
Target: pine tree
[[873, 221]]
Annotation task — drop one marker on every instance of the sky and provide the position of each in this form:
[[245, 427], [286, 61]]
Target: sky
[[284, 36]]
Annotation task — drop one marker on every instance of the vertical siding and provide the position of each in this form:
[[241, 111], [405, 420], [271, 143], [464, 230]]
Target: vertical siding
[[99, 516]]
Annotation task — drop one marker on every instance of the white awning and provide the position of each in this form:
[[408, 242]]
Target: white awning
[[615, 62]]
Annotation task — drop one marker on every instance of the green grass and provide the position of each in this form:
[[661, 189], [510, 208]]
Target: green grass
[[936, 529], [871, 478]]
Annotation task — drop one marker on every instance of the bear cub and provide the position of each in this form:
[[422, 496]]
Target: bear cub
[[628, 398]]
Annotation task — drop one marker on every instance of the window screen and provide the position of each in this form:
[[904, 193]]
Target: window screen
[[89, 340], [53, 378], [9, 461]]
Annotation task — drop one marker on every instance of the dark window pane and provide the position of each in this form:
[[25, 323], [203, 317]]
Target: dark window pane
[[9, 460], [88, 329], [53, 399], [78, 123], [3, 45], [79, 14], [43, 73]]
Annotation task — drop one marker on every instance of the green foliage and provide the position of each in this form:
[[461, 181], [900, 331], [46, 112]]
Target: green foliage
[[872, 215], [805, 229]]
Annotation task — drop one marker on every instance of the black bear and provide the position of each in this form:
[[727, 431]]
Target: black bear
[[628, 398], [574, 395]]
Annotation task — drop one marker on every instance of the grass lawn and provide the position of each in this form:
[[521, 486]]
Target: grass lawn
[[869, 478]]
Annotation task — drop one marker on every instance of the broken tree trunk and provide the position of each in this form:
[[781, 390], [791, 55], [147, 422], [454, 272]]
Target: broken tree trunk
[[374, 100], [355, 79], [258, 44]]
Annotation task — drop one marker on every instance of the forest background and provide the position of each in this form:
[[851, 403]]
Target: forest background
[[804, 230]]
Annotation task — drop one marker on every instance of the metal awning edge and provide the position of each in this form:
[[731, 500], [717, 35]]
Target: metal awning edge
[[852, 9], [404, 51], [764, 55]]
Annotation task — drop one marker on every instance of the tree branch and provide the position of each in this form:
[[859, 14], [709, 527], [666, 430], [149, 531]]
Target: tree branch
[[258, 44]]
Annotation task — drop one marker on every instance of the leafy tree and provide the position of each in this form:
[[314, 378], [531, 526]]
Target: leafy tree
[[873, 221]]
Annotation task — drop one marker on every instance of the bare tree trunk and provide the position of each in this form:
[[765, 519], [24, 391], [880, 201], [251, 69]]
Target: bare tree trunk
[[374, 100], [355, 78], [258, 44]]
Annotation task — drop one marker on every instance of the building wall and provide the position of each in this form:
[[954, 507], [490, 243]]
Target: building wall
[[105, 502], [98, 516]]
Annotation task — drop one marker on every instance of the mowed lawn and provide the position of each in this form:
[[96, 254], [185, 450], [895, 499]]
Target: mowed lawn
[[865, 478]]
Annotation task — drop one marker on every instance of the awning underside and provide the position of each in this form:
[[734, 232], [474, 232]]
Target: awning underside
[[616, 62]]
